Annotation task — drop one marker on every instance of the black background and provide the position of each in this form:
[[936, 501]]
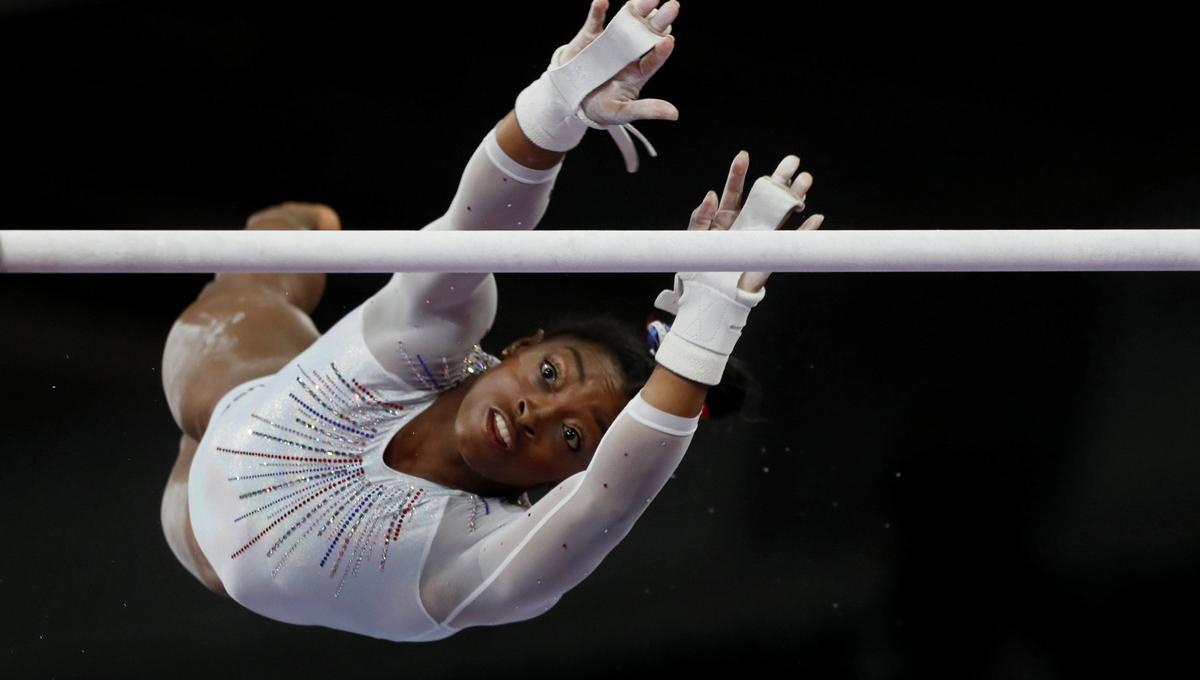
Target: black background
[[977, 475]]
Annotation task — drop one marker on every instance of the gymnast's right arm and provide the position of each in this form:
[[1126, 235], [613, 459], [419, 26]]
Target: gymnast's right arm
[[438, 313], [508, 181], [524, 567]]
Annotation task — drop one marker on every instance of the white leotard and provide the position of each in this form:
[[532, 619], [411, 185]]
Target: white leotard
[[293, 506]]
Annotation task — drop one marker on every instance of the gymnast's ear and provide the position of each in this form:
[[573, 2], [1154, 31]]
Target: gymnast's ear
[[529, 341]]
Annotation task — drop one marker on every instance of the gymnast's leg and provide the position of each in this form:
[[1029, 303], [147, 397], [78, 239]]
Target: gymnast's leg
[[177, 527], [241, 327]]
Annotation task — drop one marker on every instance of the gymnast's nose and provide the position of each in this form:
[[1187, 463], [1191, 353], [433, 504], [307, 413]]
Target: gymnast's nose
[[527, 417]]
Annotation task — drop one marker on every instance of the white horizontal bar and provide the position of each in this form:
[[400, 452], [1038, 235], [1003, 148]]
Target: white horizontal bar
[[74, 251]]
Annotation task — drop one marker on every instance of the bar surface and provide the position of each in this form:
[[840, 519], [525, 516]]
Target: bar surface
[[998, 250]]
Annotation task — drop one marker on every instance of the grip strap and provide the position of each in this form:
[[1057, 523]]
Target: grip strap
[[548, 110]]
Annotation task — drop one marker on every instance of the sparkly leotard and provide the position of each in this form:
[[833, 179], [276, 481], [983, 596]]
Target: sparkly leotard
[[293, 506]]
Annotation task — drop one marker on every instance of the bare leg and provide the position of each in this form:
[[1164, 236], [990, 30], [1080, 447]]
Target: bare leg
[[241, 327], [302, 290]]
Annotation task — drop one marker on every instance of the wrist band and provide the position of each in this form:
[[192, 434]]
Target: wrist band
[[656, 332]]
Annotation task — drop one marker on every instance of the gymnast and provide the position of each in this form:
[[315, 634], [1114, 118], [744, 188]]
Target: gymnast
[[373, 479]]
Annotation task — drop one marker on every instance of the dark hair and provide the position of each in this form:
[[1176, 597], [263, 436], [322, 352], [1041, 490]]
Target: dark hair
[[626, 342]]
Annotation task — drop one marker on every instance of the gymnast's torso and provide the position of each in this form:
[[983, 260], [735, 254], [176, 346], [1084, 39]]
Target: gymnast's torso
[[293, 505]]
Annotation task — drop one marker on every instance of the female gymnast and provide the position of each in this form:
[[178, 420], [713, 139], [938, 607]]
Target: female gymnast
[[371, 479]]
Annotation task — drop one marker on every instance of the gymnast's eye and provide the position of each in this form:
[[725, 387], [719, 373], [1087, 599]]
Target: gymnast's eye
[[571, 436], [549, 371]]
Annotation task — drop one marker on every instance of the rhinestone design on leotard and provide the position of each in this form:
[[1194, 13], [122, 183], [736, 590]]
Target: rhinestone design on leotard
[[475, 501], [307, 482], [476, 362], [310, 483]]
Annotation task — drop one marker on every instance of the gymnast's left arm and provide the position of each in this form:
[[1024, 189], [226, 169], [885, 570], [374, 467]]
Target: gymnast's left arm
[[508, 180], [522, 568]]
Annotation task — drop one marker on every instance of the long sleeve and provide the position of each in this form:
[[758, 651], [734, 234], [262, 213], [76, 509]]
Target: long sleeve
[[522, 568], [446, 313]]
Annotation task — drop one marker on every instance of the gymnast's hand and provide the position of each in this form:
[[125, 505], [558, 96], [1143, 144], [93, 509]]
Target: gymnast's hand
[[594, 81], [616, 101], [711, 308], [713, 215]]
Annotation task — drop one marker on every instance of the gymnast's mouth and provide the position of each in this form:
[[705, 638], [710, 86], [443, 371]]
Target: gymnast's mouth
[[497, 429]]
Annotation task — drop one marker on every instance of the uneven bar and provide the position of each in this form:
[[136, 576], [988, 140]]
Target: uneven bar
[[583, 251]]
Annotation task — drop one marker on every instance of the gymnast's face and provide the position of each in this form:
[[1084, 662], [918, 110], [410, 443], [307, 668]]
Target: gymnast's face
[[555, 398]]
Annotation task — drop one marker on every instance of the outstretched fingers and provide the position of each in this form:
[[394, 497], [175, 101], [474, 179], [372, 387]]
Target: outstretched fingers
[[803, 183], [644, 109], [798, 186], [661, 19], [644, 7], [753, 281], [813, 223], [593, 26], [616, 101], [595, 19], [731, 197], [703, 215], [786, 168], [655, 59]]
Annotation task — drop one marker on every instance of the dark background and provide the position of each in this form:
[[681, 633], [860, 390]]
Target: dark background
[[977, 475]]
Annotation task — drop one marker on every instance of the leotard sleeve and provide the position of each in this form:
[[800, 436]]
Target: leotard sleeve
[[522, 568], [445, 314], [534, 555]]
